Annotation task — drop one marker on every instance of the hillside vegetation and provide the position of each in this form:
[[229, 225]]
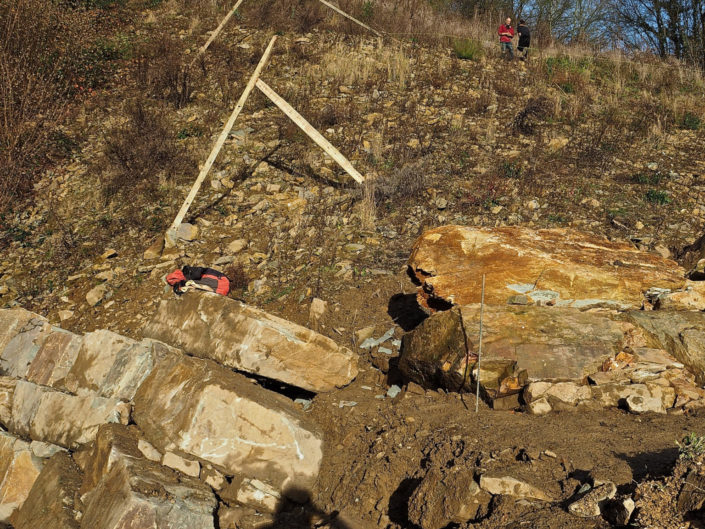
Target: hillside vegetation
[[103, 143]]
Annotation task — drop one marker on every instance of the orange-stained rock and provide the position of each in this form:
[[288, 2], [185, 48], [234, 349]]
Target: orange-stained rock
[[557, 265], [248, 339], [545, 342]]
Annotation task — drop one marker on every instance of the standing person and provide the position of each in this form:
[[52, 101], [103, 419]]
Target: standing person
[[506, 34], [524, 39]]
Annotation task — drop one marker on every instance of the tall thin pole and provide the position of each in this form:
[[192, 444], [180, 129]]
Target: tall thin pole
[[171, 232], [479, 349]]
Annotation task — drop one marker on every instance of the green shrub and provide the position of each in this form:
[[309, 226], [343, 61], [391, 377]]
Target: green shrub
[[690, 121], [653, 178], [468, 49], [691, 446], [511, 170], [657, 197], [368, 11]]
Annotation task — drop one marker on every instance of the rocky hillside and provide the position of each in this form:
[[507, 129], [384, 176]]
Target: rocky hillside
[[573, 181]]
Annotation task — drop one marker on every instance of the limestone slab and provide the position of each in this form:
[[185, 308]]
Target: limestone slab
[[52, 501], [197, 408], [18, 471], [248, 339], [558, 265], [45, 414], [681, 334], [54, 358], [110, 365], [547, 342], [20, 339]]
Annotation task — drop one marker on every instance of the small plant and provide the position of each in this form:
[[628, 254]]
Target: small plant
[[655, 196], [467, 49], [511, 170], [690, 121], [536, 109], [691, 446], [368, 11], [653, 178], [189, 131]]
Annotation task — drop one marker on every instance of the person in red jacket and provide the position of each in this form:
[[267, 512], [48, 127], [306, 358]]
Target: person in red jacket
[[506, 34]]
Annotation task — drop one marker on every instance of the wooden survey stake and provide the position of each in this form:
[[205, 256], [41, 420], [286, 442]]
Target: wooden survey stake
[[217, 31], [170, 238], [310, 131], [343, 13]]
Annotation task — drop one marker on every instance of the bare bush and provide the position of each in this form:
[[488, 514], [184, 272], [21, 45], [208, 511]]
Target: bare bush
[[140, 152], [535, 110]]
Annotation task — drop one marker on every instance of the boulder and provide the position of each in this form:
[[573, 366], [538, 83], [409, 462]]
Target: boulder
[[141, 494], [22, 336], [560, 395], [251, 340], [18, 472], [546, 342], [199, 409], [54, 358], [53, 499], [447, 496], [110, 365], [561, 266], [44, 414], [510, 486], [681, 334]]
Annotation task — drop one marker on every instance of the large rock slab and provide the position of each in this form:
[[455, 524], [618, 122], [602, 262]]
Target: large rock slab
[[196, 408], [251, 340], [682, 334], [21, 336], [54, 359], [45, 414], [559, 265], [546, 342], [18, 472], [52, 501], [132, 491], [110, 365]]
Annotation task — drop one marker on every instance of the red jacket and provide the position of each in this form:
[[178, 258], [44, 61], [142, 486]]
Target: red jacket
[[505, 29]]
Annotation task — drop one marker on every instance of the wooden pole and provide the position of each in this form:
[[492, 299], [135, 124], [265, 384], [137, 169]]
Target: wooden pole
[[217, 31], [479, 351], [341, 12], [310, 131], [171, 232]]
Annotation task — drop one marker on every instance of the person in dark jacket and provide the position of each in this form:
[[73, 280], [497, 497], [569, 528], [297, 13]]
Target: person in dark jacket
[[506, 34], [524, 39]]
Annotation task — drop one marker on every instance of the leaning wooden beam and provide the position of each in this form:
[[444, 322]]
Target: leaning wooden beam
[[341, 12], [171, 232], [217, 31], [309, 130]]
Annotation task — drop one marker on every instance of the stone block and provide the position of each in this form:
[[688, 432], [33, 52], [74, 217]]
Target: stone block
[[199, 409], [249, 339]]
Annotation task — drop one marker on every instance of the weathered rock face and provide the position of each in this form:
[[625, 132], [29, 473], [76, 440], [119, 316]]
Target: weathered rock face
[[251, 340], [547, 342], [682, 334], [18, 471], [44, 414], [558, 265], [197, 408], [52, 501], [132, 491]]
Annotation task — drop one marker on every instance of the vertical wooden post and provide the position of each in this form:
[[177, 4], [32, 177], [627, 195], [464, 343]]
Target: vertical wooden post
[[217, 31], [310, 130], [343, 13], [170, 238], [479, 351]]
